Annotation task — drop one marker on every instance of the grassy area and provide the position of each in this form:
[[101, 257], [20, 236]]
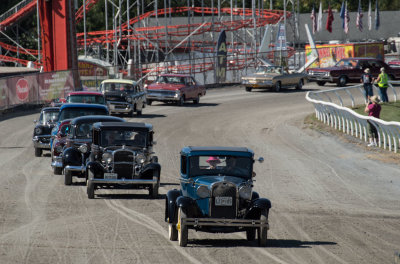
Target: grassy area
[[389, 112]]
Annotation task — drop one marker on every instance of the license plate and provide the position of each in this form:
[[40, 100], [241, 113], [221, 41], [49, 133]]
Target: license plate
[[110, 176], [223, 201]]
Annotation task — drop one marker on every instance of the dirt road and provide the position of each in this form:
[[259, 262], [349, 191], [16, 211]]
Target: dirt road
[[331, 202]]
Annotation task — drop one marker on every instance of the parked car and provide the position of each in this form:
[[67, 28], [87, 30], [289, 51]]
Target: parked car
[[43, 126], [78, 144], [86, 97], [58, 145], [122, 157], [123, 96], [350, 70], [273, 77], [176, 88], [216, 195]]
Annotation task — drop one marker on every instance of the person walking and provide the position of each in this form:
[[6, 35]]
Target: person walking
[[367, 80], [383, 83], [373, 109]]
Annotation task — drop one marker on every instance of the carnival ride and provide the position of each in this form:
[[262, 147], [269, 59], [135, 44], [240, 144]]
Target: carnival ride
[[167, 38]]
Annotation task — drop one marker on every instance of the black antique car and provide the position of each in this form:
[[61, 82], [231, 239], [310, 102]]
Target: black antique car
[[78, 143], [122, 157], [217, 195], [42, 130]]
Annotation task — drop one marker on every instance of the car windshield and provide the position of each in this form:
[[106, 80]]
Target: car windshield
[[119, 137], [269, 69], [84, 130], [126, 87], [48, 117], [170, 79], [220, 165], [88, 99], [346, 63], [70, 113]]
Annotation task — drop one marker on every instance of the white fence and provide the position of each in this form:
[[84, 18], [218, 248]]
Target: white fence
[[332, 108]]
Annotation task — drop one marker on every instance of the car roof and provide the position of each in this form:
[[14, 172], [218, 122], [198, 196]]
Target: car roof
[[124, 81], [82, 105], [210, 149], [95, 119], [52, 108], [85, 93], [123, 125]]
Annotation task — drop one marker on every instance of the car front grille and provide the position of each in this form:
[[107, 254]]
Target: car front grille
[[318, 74], [160, 92], [223, 189], [124, 163], [115, 98]]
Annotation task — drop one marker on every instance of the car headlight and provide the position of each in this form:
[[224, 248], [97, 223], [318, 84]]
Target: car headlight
[[59, 149], [140, 158], [83, 148], [203, 192], [245, 192], [327, 74], [38, 131], [107, 157], [129, 100], [310, 72]]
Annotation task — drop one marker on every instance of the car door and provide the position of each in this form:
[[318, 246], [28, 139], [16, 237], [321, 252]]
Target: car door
[[375, 68]]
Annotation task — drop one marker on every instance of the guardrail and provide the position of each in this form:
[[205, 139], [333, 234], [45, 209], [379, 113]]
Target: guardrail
[[336, 113]]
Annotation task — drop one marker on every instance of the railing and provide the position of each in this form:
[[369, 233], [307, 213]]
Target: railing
[[334, 112], [14, 9]]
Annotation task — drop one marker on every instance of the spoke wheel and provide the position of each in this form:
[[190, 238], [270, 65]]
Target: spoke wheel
[[262, 232], [182, 229]]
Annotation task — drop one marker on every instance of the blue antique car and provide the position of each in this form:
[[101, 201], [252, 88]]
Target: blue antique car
[[78, 145], [216, 195]]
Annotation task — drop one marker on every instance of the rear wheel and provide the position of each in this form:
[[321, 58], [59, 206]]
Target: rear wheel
[[342, 81], [262, 232], [181, 101], [38, 152], [299, 85], [68, 178], [248, 89], [321, 83], [172, 232], [197, 100], [182, 229], [278, 86]]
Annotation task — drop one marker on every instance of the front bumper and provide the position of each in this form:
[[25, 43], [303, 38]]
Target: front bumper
[[316, 78], [257, 84], [163, 97], [224, 222], [120, 107], [42, 142], [125, 181], [57, 162]]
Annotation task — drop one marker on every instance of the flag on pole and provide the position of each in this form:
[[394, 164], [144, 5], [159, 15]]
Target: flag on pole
[[342, 13], [329, 19], [359, 17], [369, 16], [377, 22], [346, 19], [319, 20], [314, 20]]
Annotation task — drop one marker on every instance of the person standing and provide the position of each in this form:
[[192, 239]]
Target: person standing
[[367, 80], [383, 83], [373, 109]]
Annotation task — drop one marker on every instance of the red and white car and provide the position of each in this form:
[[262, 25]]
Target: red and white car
[[176, 88]]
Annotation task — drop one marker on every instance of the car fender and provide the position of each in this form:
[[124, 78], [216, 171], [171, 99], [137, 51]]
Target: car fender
[[72, 156], [96, 168], [256, 207], [170, 205], [149, 168]]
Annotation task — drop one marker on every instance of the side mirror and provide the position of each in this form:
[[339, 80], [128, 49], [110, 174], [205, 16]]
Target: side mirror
[[260, 159]]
